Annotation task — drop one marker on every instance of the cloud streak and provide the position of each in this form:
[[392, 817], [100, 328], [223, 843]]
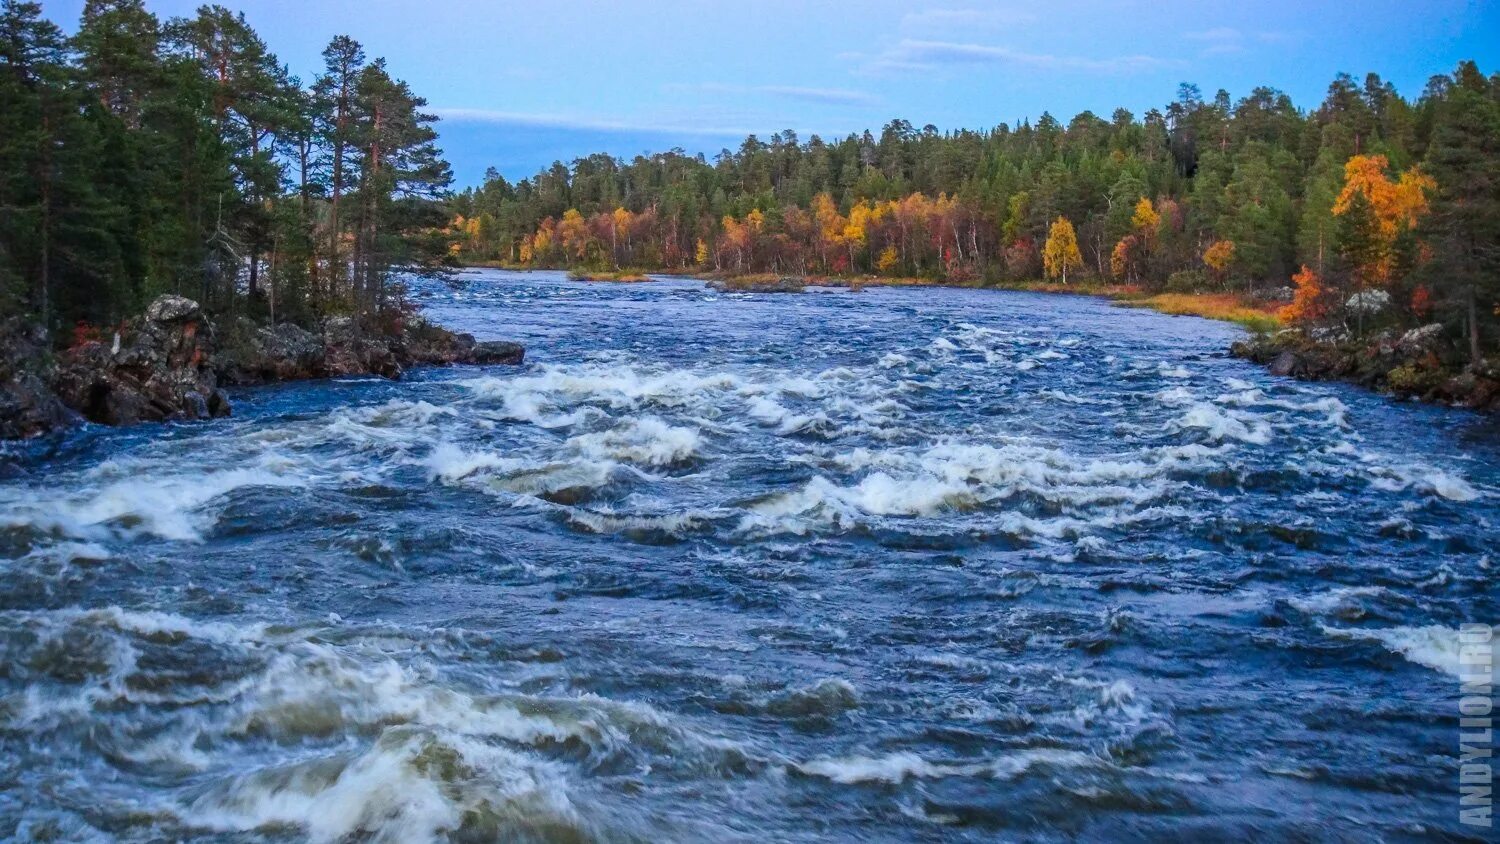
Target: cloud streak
[[913, 54], [1227, 41], [1221, 33], [583, 122], [966, 18], [822, 96]]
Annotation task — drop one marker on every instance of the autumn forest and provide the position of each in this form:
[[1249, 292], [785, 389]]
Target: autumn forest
[[1368, 194], [142, 156]]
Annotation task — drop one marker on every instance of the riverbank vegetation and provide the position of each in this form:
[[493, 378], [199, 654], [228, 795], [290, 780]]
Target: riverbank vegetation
[[1372, 211], [145, 156]]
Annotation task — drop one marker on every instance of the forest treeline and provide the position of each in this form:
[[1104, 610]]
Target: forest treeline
[[143, 156], [1370, 202]]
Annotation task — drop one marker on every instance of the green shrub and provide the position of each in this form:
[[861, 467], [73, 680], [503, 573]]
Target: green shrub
[[1188, 281]]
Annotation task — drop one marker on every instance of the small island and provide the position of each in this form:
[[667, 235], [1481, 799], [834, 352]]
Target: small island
[[612, 276]]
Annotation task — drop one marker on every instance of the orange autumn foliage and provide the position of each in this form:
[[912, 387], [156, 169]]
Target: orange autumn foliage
[[1309, 303], [1421, 301]]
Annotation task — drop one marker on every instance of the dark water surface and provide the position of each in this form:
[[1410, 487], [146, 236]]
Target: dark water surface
[[904, 564]]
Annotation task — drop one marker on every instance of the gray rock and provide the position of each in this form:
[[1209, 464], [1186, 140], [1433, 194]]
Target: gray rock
[[1284, 364], [160, 369], [170, 308], [28, 406], [1420, 341], [349, 349], [499, 351]]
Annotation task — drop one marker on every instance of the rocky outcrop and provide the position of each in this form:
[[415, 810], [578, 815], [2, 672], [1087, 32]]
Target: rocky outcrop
[[346, 346], [157, 368], [1422, 363], [28, 406], [259, 354], [172, 362], [349, 348]]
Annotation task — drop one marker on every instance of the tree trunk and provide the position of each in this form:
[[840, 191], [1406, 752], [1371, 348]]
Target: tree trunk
[[1473, 306], [44, 277]]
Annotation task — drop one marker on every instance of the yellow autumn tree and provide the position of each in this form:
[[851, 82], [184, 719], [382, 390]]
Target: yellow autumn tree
[[619, 230], [1145, 219], [888, 259], [857, 228], [573, 231], [1397, 205], [701, 254], [541, 242], [1218, 257], [830, 225], [736, 240], [1061, 251]]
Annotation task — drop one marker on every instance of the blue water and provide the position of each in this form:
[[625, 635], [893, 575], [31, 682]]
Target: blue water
[[904, 564]]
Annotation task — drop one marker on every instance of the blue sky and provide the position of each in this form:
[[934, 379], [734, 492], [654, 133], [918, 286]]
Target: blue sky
[[523, 84]]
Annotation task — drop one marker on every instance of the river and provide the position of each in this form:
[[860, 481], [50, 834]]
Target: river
[[902, 564]]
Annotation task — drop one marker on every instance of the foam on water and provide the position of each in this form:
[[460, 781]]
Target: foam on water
[[1431, 646], [836, 566], [166, 507]]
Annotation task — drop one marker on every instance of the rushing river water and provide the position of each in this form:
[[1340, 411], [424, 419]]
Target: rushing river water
[[894, 565]]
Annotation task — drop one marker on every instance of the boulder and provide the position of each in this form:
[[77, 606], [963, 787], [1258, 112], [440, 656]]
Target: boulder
[[499, 351], [172, 309], [1420, 342], [1368, 301], [426, 344], [1284, 364]]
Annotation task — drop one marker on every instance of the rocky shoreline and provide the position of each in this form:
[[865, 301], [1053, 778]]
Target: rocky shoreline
[[173, 363], [1420, 364]]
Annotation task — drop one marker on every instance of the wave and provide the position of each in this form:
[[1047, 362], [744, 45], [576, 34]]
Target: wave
[[648, 441], [1432, 646], [412, 785], [169, 507], [895, 768], [1221, 425]]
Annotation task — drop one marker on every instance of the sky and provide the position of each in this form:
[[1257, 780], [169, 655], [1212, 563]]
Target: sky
[[520, 85]]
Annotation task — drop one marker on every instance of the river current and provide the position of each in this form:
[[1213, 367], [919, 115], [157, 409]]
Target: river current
[[903, 564]]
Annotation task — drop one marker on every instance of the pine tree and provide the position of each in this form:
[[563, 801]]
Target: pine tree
[[1464, 225]]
